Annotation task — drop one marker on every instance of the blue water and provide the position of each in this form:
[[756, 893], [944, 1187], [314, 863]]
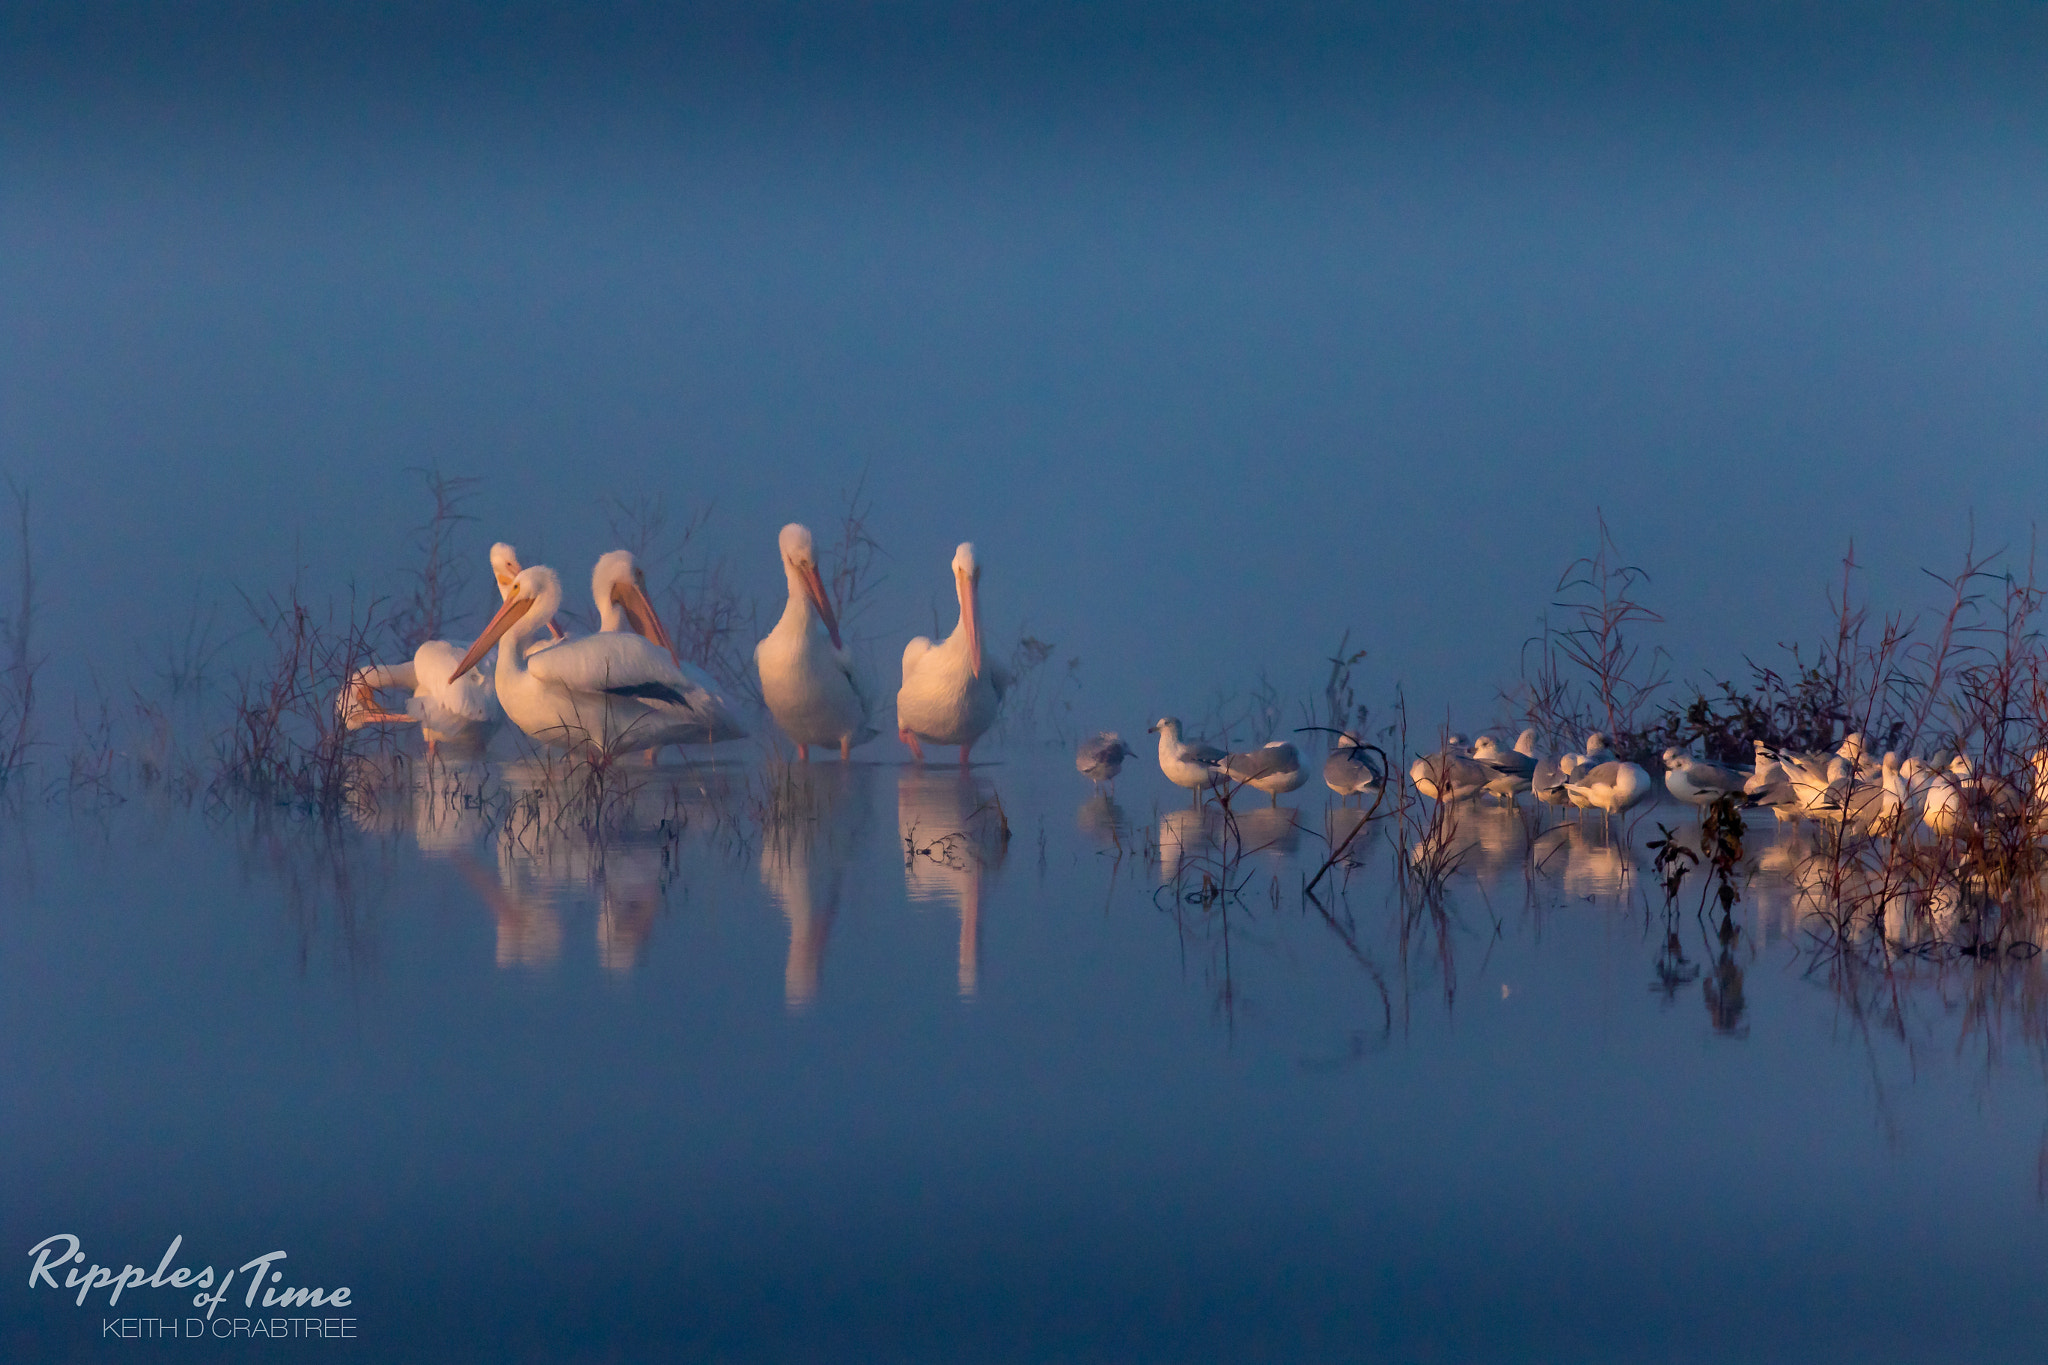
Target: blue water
[[791, 1099]]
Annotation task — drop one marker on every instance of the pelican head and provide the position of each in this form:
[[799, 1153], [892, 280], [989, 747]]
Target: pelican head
[[620, 585], [800, 563], [530, 600], [967, 582], [504, 567]]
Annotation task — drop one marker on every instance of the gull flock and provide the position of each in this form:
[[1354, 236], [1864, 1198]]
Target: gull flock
[[624, 687]]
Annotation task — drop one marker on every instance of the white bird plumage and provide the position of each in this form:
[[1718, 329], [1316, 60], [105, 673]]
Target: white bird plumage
[[951, 693], [808, 678], [1100, 757], [1273, 769], [1190, 763], [612, 689]]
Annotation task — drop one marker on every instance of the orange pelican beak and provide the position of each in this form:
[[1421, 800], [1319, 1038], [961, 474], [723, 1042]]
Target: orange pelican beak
[[514, 608], [814, 588], [970, 616], [633, 598]]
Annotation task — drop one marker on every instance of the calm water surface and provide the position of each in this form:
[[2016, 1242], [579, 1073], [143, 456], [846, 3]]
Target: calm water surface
[[877, 1083]]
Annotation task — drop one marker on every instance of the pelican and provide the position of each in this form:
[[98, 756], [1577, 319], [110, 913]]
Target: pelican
[[619, 587], [951, 693], [807, 674], [463, 713], [1190, 763], [1101, 757], [505, 567], [1274, 769], [460, 713], [605, 690]]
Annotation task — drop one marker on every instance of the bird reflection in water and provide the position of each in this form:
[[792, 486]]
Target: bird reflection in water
[[1595, 863], [954, 837], [1674, 969], [1723, 990], [1104, 822], [529, 923], [1272, 833], [823, 810], [547, 859]]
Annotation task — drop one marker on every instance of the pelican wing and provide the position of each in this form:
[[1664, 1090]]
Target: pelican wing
[[606, 661], [443, 705], [913, 655]]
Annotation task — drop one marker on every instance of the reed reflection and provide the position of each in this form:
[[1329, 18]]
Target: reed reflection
[[954, 835], [819, 814]]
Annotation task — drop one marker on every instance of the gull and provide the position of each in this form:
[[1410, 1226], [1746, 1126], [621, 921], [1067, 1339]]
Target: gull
[[1101, 757], [1449, 774], [1513, 769], [1549, 778], [1610, 788], [1190, 763], [1274, 769], [1698, 782], [1349, 772]]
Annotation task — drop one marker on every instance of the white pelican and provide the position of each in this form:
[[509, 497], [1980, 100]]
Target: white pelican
[[610, 690], [463, 713], [619, 587], [807, 674], [459, 712], [1274, 769], [951, 693], [1189, 763], [1101, 757], [505, 567]]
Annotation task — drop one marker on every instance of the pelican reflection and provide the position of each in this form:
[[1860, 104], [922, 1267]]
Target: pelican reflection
[[806, 850], [953, 837]]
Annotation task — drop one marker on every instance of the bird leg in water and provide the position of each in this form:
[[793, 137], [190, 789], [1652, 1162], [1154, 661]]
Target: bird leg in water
[[911, 740], [803, 753], [846, 748], [963, 756]]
